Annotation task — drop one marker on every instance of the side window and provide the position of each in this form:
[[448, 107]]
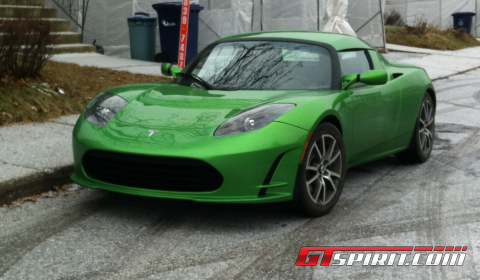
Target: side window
[[354, 62]]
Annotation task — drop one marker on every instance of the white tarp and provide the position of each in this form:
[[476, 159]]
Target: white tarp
[[220, 16], [107, 20], [336, 22], [366, 19], [435, 12]]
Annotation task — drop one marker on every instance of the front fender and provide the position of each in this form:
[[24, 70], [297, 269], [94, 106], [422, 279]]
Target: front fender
[[313, 109]]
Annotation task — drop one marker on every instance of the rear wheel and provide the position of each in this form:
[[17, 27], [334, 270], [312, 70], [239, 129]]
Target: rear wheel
[[322, 172], [421, 144]]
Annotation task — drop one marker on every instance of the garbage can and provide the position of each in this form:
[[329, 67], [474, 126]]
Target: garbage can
[[142, 36], [169, 15], [463, 20]]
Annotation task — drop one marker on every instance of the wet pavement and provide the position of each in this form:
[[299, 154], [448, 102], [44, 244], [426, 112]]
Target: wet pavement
[[91, 234]]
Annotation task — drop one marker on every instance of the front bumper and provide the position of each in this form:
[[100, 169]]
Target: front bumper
[[244, 160]]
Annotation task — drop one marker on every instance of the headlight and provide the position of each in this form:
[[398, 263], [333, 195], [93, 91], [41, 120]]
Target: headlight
[[103, 108], [252, 119]]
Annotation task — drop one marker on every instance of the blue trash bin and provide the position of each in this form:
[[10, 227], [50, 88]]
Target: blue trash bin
[[142, 36], [463, 20], [169, 15]]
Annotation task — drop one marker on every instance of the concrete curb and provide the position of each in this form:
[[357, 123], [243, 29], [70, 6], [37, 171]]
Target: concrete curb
[[34, 184], [459, 73]]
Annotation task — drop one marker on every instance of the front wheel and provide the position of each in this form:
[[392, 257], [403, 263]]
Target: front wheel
[[321, 174], [421, 144]]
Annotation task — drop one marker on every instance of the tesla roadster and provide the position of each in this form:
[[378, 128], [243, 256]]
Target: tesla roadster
[[259, 117]]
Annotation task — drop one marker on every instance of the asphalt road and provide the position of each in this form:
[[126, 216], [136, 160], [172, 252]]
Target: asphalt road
[[89, 234]]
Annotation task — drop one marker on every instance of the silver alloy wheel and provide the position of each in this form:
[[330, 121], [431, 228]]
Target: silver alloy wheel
[[324, 169], [426, 123]]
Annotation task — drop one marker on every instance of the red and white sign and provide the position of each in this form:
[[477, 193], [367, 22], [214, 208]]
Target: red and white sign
[[182, 44], [382, 256]]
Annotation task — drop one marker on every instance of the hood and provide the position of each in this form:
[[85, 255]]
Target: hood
[[171, 106]]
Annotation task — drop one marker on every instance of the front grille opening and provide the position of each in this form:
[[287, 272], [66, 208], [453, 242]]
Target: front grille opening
[[151, 172]]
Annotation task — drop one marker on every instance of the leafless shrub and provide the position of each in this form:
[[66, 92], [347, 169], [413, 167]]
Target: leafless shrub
[[419, 28], [394, 18], [24, 47]]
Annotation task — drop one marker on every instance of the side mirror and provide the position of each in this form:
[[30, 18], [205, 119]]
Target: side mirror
[[373, 77], [169, 70]]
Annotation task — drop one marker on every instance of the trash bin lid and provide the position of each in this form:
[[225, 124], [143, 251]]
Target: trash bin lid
[[176, 5], [142, 18], [463, 14]]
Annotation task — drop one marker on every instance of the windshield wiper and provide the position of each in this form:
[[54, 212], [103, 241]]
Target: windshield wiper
[[202, 82]]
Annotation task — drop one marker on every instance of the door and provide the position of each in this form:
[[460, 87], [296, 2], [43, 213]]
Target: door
[[376, 109]]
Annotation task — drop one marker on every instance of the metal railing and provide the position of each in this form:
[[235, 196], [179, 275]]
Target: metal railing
[[76, 10]]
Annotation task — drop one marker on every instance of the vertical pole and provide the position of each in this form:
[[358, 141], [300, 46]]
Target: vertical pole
[[182, 42], [383, 25], [318, 15], [261, 15], [440, 24], [83, 17], [476, 16], [253, 15]]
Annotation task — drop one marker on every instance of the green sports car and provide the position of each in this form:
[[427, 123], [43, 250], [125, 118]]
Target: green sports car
[[259, 117]]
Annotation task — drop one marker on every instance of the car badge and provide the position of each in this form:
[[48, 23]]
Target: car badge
[[152, 132]]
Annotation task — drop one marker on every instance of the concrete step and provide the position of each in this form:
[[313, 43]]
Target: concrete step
[[67, 38], [64, 38], [58, 25], [8, 11], [23, 2], [72, 48]]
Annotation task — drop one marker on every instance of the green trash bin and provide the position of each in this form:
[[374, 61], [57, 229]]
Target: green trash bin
[[142, 29]]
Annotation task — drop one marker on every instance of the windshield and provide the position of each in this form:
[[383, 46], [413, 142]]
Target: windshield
[[261, 66]]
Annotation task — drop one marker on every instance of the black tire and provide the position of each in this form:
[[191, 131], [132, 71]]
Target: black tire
[[421, 144], [321, 175]]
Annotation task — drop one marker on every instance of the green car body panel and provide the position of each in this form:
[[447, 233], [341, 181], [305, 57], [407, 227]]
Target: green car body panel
[[260, 165]]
